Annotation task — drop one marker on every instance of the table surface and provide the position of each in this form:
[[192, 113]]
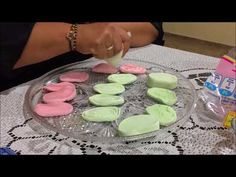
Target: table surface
[[198, 135]]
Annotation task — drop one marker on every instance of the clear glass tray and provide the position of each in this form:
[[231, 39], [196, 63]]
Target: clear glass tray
[[135, 96]]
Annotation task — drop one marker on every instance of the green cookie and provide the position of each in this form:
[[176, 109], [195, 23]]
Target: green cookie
[[106, 100], [122, 78], [162, 80], [166, 115], [162, 95], [101, 114], [109, 88], [136, 125]]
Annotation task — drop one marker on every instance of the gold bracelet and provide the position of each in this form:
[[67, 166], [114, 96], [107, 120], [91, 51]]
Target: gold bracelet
[[72, 36]]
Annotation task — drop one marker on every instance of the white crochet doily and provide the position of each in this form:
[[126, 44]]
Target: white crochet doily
[[199, 135]]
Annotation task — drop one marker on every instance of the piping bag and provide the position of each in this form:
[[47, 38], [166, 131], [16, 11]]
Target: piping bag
[[116, 59]]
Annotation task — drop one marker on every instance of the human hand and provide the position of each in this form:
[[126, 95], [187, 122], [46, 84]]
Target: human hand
[[103, 40]]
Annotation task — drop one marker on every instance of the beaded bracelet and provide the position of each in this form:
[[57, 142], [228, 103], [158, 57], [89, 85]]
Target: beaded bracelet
[[71, 36]]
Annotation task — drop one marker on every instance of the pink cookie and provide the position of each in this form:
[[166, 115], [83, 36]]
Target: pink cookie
[[53, 87], [104, 68], [67, 93], [132, 68], [74, 77], [53, 109]]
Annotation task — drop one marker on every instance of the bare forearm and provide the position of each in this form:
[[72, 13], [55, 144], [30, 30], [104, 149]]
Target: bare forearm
[[47, 40], [143, 33]]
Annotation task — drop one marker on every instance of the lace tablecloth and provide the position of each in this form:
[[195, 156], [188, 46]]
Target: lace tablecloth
[[197, 136]]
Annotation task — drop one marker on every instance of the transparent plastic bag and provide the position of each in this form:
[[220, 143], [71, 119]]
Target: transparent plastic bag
[[219, 93]]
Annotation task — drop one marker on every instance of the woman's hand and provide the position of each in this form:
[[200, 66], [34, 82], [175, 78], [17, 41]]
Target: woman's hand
[[103, 40]]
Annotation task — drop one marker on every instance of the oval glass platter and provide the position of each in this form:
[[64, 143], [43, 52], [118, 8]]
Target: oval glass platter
[[136, 100]]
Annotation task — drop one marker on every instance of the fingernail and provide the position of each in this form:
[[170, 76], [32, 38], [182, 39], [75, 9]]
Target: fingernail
[[129, 33]]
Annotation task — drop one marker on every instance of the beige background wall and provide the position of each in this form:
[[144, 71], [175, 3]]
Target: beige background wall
[[223, 33]]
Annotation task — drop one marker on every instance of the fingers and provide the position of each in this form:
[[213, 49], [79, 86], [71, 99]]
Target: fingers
[[126, 46], [111, 42], [108, 43], [117, 43], [125, 37], [104, 47]]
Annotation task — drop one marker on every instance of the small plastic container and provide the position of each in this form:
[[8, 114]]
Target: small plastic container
[[6, 151], [219, 93], [233, 125]]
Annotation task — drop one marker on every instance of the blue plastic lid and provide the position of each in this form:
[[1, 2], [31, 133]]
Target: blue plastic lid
[[6, 151]]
